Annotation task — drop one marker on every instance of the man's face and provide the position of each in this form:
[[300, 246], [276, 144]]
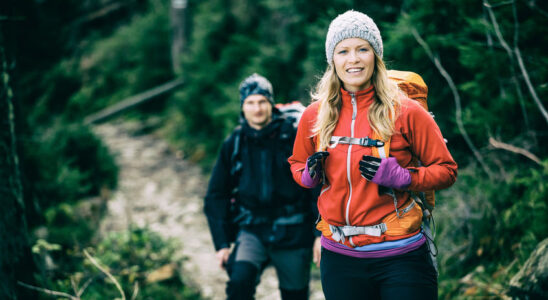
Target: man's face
[[257, 111]]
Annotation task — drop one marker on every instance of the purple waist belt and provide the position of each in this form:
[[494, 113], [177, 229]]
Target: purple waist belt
[[399, 247]]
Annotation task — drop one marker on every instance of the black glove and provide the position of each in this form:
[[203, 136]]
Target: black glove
[[369, 166], [314, 163]]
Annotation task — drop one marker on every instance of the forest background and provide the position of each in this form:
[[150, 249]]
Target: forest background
[[485, 64]]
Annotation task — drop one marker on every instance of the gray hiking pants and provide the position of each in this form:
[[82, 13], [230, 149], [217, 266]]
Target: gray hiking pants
[[292, 265]]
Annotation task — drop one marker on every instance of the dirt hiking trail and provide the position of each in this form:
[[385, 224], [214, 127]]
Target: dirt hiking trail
[[160, 190]]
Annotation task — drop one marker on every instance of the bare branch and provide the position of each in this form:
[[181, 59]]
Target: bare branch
[[496, 27], [135, 290], [95, 263], [533, 5], [499, 4], [495, 289], [456, 96], [132, 101], [102, 12], [514, 149], [515, 52], [46, 291], [84, 287], [530, 85], [74, 286], [514, 77]]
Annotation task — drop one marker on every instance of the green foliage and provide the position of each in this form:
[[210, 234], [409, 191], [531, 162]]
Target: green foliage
[[67, 163], [462, 35], [101, 65], [132, 257], [486, 229], [66, 226], [487, 226], [484, 223], [134, 58], [280, 40]]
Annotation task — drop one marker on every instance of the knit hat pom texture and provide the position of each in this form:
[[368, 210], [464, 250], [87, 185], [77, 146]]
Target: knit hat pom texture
[[352, 24]]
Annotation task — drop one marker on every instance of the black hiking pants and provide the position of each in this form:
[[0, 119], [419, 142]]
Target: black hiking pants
[[409, 276]]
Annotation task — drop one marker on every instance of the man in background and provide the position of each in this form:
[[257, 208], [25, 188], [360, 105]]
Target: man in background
[[253, 198]]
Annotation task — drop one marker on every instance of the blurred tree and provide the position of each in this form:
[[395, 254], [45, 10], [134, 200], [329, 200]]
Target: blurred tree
[[178, 12], [15, 261]]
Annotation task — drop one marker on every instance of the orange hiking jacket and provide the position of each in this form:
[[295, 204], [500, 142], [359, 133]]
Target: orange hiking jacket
[[349, 199]]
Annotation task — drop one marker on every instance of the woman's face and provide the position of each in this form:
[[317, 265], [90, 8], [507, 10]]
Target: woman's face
[[354, 62]]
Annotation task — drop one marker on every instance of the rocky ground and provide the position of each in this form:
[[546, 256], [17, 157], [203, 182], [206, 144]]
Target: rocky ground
[[157, 188]]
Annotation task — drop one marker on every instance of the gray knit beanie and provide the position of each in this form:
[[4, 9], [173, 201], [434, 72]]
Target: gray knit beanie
[[352, 24], [256, 84]]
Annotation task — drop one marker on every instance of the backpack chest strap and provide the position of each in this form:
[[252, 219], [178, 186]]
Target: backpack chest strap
[[365, 141], [380, 149]]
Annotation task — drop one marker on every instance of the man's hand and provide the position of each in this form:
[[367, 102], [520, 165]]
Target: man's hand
[[317, 251], [222, 256]]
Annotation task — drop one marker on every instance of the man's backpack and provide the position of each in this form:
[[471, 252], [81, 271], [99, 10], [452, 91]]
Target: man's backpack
[[291, 111]]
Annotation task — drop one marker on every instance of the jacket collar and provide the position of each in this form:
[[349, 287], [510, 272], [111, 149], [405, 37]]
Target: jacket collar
[[364, 98], [266, 131]]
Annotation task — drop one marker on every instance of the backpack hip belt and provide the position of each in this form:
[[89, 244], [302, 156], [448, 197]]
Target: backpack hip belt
[[390, 225]]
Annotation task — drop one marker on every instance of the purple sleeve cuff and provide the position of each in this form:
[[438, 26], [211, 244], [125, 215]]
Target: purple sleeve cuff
[[308, 181]]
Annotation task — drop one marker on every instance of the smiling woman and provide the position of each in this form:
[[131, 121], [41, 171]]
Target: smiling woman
[[359, 114]]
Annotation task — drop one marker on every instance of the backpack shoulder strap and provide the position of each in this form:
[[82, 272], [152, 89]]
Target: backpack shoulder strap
[[383, 151], [235, 157], [287, 128]]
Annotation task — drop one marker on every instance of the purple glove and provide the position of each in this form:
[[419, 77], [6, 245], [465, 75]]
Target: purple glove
[[313, 172], [385, 171]]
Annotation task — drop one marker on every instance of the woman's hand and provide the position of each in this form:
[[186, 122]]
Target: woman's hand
[[313, 173], [385, 171]]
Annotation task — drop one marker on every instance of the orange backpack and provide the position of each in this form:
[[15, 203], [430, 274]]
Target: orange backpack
[[415, 88], [413, 85]]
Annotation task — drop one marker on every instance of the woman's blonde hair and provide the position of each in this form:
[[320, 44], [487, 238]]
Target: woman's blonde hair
[[382, 113]]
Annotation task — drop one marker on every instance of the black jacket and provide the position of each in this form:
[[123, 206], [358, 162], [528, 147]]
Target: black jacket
[[263, 186]]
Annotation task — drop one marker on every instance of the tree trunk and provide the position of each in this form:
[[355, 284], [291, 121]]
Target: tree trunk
[[178, 10], [15, 254]]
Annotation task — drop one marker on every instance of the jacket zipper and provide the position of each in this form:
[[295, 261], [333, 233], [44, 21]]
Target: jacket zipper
[[348, 156]]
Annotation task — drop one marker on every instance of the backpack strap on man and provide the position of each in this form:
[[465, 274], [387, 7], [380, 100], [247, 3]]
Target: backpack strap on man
[[235, 161]]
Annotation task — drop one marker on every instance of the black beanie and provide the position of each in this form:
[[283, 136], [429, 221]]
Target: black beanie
[[256, 84]]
